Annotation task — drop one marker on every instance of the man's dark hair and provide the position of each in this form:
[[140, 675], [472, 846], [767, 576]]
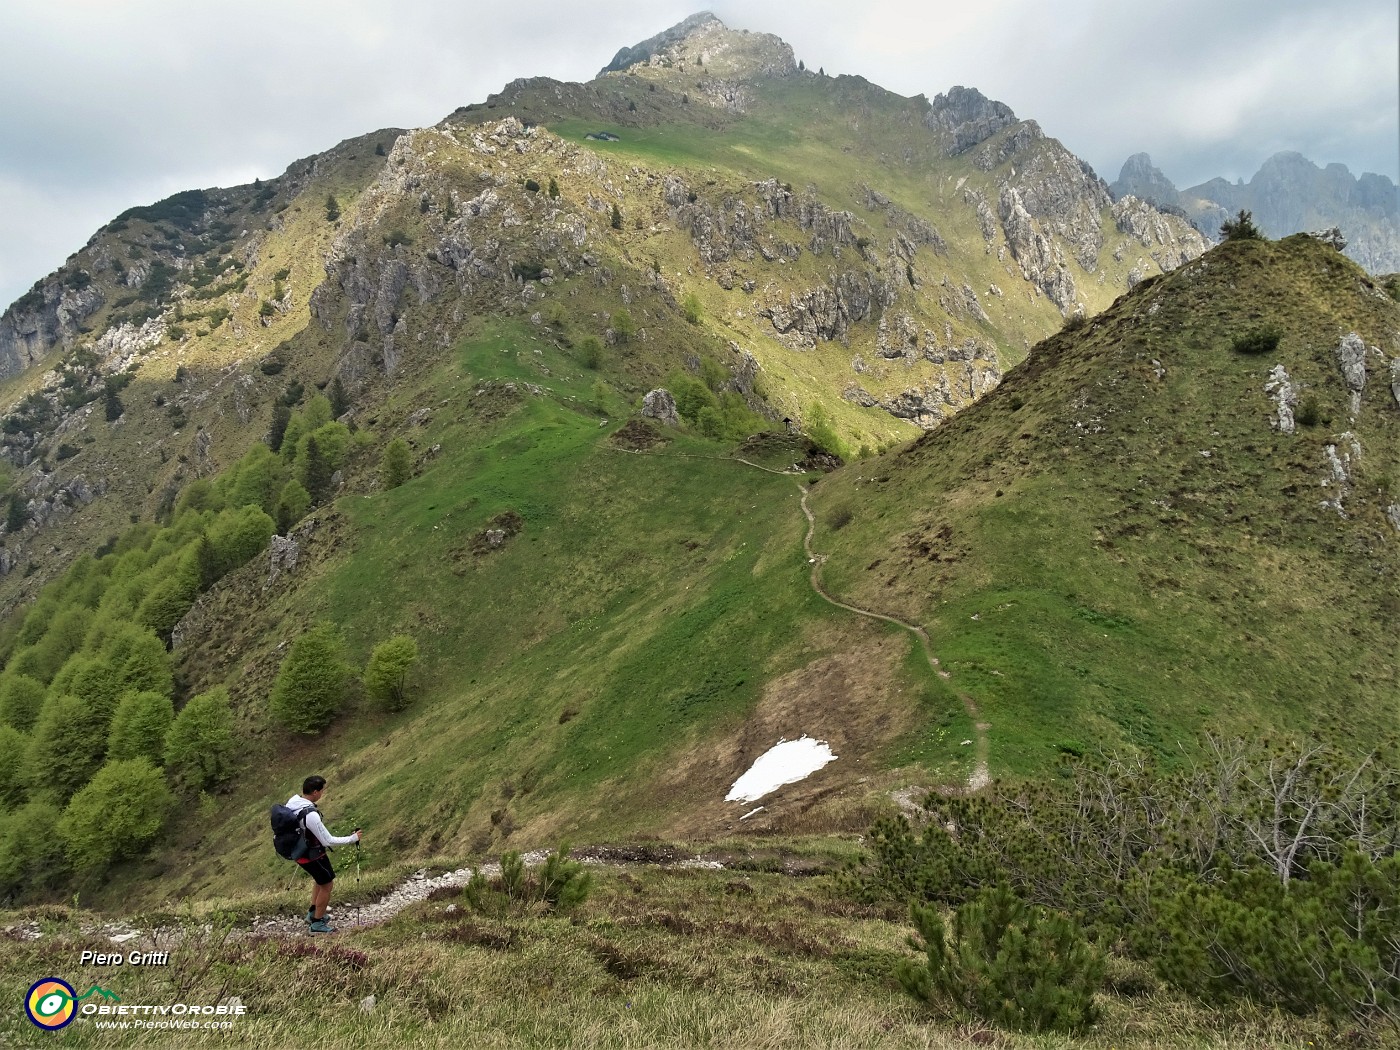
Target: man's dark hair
[[311, 784]]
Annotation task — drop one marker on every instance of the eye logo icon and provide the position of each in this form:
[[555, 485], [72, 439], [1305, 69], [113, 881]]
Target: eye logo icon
[[51, 1003]]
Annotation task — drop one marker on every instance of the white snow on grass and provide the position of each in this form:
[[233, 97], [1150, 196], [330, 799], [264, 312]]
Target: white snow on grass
[[785, 763]]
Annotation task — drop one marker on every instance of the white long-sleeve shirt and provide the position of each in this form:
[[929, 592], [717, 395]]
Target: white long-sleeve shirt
[[317, 826]]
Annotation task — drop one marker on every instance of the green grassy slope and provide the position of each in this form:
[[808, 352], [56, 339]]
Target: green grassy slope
[[1116, 548], [608, 671]]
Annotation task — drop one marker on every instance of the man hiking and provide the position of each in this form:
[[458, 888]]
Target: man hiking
[[320, 840]]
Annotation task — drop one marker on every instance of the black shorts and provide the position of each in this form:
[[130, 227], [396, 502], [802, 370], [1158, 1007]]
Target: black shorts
[[319, 869]]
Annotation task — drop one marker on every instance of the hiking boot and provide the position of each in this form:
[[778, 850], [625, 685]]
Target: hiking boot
[[310, 916], [321, 926]]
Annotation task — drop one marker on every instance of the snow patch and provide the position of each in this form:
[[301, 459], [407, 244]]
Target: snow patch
[[785, 763]]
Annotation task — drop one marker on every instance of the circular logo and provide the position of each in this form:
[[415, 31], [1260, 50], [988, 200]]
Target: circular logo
[[51, 1003]]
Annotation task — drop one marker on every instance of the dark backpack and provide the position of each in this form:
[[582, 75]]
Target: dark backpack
[[289, 835]]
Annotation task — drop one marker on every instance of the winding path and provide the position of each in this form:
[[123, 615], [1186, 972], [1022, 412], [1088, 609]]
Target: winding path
[[981, 775]]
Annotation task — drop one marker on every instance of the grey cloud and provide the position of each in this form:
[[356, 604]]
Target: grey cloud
[[113, 105]]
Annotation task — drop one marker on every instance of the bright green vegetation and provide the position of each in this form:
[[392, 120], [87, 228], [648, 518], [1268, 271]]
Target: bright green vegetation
[[1106, 557]]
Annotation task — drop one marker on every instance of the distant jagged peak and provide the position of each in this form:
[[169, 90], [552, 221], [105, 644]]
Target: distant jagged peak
[[1142, 179], [702, 40]]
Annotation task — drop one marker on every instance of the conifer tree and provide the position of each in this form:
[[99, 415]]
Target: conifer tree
[[315, 471], [616, 217], [281, 416], [292, 505], [339, 399]]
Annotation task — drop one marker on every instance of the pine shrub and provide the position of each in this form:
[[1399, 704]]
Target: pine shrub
[[1008, 962], [559, 884]]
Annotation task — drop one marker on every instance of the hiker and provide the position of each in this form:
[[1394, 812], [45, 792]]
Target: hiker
[[316, 863]]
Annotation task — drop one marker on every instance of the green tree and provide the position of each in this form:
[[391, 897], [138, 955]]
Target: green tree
[[116, 816], [1008, 962], [139, 726], [208, 564], [95, 681], [1240, 228], [21, 698], [332, 208], [241, 535], [553, 188], [256, 479], [310, 686], [145, 666], [168, 601], [31, 854], [292, 505], [387, 674], [200, 749], [692, 308], [112, 402], [623, 326], [13, 779], [616, 220], [821, 431], [65, 749], [395, 467]]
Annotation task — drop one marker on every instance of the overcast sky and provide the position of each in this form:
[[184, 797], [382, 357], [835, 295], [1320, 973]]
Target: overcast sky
[[112, 103]]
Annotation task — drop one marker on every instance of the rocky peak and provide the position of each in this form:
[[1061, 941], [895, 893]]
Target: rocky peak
[[703, 41], [968, 117], [1139, 178]]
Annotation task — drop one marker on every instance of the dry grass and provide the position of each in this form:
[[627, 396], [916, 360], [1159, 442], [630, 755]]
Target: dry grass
[[654, 958]]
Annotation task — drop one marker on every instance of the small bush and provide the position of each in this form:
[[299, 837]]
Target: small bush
[[1007, 962], [397, 237], [559, 884], [692, 308], [1309, 413], [616, 220], [590, 352], [531, 186], [1259, 341]]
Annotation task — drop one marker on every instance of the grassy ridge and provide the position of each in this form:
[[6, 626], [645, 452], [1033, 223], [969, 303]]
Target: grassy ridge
[[1109, 556]]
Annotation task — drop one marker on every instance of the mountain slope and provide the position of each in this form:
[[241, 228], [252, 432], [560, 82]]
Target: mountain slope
[[1126, 545]]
